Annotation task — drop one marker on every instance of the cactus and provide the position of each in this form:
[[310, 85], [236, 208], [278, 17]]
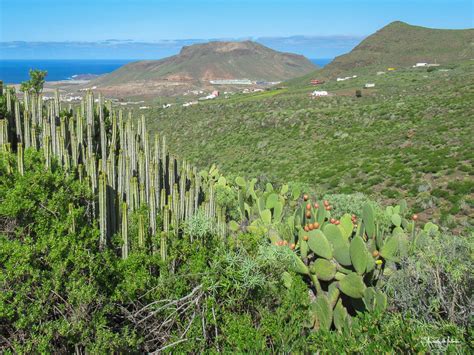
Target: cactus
[[125, 243], [337, 255], [138, 175], [164, 234], [141, 232], [319, 244], [368, 220], [374, 300], [352, 285], [359, 254], [322, 312], [103, 210], [72, 227], [324, 270], [3, 132], [20, 159], [9, 99]]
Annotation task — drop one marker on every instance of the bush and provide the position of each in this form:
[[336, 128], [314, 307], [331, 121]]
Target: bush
[[390, 333], [353, 204], [435, 281], [199, 226]]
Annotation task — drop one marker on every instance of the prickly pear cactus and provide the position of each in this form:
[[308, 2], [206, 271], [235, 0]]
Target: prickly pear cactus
[[343, 259]]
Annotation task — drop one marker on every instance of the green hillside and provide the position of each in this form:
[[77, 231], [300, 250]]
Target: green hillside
[[409, 137], [400, 45], [215, 60]]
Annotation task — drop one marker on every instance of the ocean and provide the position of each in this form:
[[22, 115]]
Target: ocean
[[16, 71], [321, 61], [13, 71]]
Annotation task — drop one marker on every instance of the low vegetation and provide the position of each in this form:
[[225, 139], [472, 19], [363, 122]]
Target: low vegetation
[[409, 137], [61, 293], [110, 244]]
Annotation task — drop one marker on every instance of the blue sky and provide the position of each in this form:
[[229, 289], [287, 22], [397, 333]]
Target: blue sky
[[148, 20], [152, 29]]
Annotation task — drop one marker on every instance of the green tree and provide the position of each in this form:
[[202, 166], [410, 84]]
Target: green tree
[[36, 82]]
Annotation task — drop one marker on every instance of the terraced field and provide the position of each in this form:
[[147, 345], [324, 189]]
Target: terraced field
[[409, 137]]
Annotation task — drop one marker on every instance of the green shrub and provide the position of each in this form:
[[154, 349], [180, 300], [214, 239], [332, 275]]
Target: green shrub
[[199, 226], [372, 333], [353, 204], [435, 281]]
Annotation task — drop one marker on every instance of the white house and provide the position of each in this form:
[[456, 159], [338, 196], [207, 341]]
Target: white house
[[346, 78], [190, 103], [317, 93]]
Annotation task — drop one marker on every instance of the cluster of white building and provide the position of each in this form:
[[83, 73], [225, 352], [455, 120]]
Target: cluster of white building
[[232, 82], [86, 89], [346, 78], [421, 65], [64, 98], [243, 82], [249, 91], [211, 96], [193, 92], [186, 104], [319, 93]]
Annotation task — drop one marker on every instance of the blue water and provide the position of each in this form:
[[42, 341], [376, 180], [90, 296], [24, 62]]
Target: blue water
[[321, 61], [16, 71]]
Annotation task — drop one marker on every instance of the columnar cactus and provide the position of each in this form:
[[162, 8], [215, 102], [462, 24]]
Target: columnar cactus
[[141, 231], [19, 135], [9, 99], [20, 159], [26, 121], [72, 226], [3, 132], [125, 245], [103, 210], [125, 170], [103, 138]]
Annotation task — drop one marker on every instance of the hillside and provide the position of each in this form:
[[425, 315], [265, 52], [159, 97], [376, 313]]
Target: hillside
[[215, 60], [400, 45], [391, 143]]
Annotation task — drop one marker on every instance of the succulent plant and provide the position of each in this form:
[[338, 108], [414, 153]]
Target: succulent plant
[[114, 154]]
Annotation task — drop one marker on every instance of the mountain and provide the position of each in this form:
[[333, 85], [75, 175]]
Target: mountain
[[215, 60], [400, 44]]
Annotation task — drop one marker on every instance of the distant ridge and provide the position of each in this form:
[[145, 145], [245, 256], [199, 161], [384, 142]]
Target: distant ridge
[[215, 60], [401, 44]]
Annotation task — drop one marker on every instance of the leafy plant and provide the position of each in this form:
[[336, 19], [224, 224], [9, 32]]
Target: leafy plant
[[434, 282], [36, 81]]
